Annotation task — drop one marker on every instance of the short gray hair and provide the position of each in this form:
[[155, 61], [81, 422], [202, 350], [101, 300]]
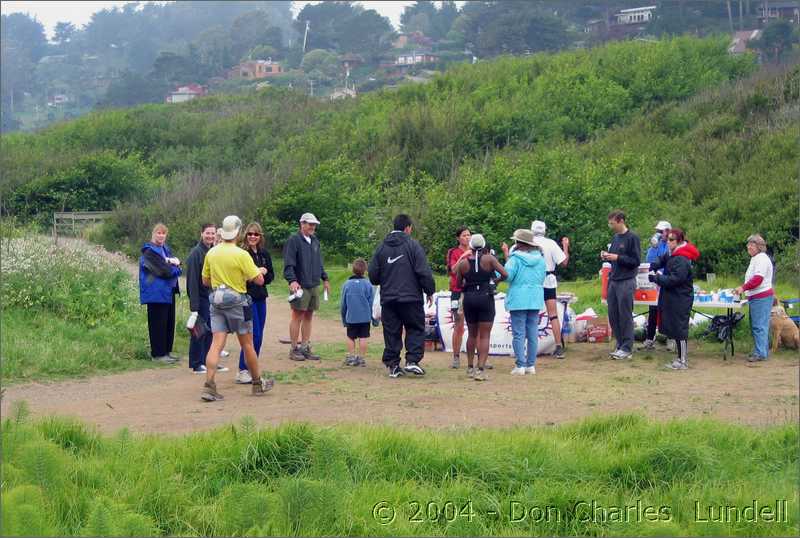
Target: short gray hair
[[758, 241]]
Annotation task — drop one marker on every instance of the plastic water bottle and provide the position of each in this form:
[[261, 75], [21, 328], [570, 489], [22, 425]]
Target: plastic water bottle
[[566, 326]]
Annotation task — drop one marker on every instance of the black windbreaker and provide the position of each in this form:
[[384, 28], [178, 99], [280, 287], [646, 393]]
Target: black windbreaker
[[400, 267]]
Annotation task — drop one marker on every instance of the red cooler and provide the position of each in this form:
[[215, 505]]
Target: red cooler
[[604, 272]]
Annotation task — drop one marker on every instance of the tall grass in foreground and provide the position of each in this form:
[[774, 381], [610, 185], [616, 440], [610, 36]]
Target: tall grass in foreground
[[594, 477]]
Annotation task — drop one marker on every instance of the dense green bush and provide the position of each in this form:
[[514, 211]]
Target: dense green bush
[[670, 129], [96, 182]]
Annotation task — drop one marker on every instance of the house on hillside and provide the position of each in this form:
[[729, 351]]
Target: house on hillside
[[770, 11], [412, 39], [256, 69], [57, 99], [740, 39], [186, 93], [416, 58], [635, 15]]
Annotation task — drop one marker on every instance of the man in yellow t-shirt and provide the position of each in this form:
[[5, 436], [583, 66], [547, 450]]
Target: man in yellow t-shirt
[[226, 270]]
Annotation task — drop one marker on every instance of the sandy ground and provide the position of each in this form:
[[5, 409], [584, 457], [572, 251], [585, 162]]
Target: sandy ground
[[166, 400]]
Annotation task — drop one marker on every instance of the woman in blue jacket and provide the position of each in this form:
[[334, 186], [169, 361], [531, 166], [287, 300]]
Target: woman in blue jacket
[[158, 285], [525, 297]]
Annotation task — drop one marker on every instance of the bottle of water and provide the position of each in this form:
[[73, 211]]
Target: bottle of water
[[566, 326]]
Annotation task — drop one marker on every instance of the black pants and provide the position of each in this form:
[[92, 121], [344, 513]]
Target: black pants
[[652, 319], [395, 318], [198, 347], [161, 326]]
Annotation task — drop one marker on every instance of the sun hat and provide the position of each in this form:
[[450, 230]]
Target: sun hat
[[230, 227], [524, 236], [309, 218], [663, 225], [538, 227], [477, 241]]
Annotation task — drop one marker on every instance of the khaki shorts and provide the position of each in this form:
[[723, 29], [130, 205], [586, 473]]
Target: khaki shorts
[[308, 302], [236, 320]]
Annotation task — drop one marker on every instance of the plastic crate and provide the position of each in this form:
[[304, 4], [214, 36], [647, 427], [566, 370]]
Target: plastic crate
[[792, 307]]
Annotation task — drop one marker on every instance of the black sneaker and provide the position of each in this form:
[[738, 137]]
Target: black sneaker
[[414, 368], [396, 371], [296, 354], [361, 361], [559, 352]]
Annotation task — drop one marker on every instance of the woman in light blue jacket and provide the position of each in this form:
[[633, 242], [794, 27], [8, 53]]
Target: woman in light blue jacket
[[525, 297]]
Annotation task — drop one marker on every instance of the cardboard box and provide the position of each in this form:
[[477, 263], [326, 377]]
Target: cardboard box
[[597, 330]]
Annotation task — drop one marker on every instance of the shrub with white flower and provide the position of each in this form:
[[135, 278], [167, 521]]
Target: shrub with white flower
[[74, 281]]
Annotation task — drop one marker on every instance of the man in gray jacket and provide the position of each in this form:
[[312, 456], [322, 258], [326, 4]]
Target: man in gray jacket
[[303, 270]]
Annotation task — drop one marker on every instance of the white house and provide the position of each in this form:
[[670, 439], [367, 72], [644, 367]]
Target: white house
[[636, 15]]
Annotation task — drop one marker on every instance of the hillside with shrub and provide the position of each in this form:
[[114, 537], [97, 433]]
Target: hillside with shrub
[[674, 129]]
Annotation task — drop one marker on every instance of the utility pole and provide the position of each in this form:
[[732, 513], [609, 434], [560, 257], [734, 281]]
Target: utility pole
[[730, 15], [305, 37], [741, 16]]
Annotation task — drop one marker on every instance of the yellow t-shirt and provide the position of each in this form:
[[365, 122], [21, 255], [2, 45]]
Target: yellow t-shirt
[[230, 265]]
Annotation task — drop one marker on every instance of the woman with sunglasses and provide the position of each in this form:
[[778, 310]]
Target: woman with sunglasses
[[677, 293], [253, 243]]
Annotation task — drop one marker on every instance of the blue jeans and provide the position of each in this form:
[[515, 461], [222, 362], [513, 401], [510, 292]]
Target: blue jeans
[[525, 326], [259, 321], [759, 324]]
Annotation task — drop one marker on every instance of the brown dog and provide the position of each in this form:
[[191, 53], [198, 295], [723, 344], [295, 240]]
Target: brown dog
[[784, 331]]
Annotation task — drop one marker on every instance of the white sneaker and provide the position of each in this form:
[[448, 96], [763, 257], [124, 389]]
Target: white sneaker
[[244, 377], [518, 371], [221, 368], [224, 354], [622, 355], [530, 370]]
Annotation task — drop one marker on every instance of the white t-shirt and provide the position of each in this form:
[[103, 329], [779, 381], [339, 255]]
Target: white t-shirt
[[760, 264], [553, 255]]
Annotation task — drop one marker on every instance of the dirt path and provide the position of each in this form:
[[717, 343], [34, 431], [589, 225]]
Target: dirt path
[[166, 400]]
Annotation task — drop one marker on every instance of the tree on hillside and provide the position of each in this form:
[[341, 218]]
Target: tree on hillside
[[776, 40], [26, 32], [423, 16], [325, 20], [252, 29], [64, 32], [344, 27], [512, 27], [320, 65]]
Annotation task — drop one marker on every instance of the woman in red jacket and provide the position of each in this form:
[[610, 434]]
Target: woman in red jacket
[[677, 293]]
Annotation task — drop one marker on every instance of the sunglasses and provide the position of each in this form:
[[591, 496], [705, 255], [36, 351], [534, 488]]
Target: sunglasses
[[253, 234], [672, 238]]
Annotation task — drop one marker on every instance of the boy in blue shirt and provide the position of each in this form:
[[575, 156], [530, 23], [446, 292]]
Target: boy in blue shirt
[[357, 295]]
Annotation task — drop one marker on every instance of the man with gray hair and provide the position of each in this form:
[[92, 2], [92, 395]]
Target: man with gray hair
[[303, 270], [554, 257]]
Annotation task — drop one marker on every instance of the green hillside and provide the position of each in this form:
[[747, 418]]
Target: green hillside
[[676, 129]]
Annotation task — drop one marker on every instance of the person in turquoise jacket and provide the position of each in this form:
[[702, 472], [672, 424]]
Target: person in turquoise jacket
[[525, 297]]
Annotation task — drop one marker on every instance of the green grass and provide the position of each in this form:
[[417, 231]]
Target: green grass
[[42, 347], [61, 477]]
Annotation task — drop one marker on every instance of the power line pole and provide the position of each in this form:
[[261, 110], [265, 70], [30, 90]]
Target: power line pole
[[305, 37]]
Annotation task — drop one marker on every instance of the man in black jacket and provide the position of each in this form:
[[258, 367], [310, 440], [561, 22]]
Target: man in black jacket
[[303, 270], [401, 269], [198, 300], [625, 254]]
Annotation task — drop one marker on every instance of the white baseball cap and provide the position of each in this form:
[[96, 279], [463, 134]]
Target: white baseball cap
[[538, 227], [663, 225], [477, 241], [309, 218], [230, 227]]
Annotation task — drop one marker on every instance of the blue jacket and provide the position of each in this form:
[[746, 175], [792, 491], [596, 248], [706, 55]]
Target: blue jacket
[[158, 280], [357, 295], [655, 253], [526, 272]]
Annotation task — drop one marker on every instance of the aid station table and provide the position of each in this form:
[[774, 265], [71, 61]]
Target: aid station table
[[730, 307]]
